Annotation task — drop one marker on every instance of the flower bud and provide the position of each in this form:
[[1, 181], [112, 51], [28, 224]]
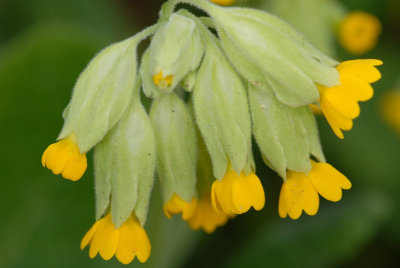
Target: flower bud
[[175, 50], [101, 94], [176, 147], [222, 114], [266, 50], [124, 167], [286, 135]]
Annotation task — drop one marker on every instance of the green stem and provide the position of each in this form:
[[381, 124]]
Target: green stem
[[143, 34]]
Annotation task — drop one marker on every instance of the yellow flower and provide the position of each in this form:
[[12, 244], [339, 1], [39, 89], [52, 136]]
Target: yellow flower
[[205, 216], [177, 205], [223, 2], [235, 194], [125, 242], [340, 103], [64, 157], [390, 109], [300, 191], [359, 32]]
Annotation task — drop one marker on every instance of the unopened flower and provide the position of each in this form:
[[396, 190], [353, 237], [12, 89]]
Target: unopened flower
[[223, 2], [237, 193], [177, 205], [340, 103], [300, 190], [125, 242], [64, 157], [359, 32], [206, 217]]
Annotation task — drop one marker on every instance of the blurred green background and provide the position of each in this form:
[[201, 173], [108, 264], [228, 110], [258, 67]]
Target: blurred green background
[[45, 44]]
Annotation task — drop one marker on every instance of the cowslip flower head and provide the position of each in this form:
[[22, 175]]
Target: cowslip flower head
[[177, 205], [359, 32], [340, 103], [300, 190], [126, 242], [237, 193], [390, 108], [206, 217], [64, 157]]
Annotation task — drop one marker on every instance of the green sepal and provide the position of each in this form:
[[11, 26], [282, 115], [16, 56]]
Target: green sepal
[[176, 49], [287, 136], [267, 51], [149, 88], [221, 111], [176, 146], [101, 94], [124, 167]]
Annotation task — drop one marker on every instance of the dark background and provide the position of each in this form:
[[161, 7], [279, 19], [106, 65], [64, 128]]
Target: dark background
[[45, 44]]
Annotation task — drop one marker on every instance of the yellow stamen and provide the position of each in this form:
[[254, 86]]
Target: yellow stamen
[[300, 191], [359, 32], [64, 157], [161, 81], [390, 109], [340, 103], [177, 205], [236, 194], [205, 217], [126, 242]]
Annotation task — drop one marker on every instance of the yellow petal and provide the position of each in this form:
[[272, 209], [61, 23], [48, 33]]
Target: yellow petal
[[362, 69], [282, 202], [76, 167], [95, 244], [108, 241], [356, 88], [126, 250], [206, 217], [328, 181], [223, 2], [300, 195], [335, 120], [177, 205], [247, 192], [89, 235], [342, 101]]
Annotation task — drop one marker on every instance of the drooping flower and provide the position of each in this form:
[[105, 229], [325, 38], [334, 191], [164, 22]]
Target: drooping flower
[[359, 32], [64, 157], [177, 205], [206, 217], [300, 191], [125, 242], [340, 103], [237, 193]]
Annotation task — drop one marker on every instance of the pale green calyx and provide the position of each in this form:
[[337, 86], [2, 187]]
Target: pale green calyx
[[124, 167], [102, 92], [176, 146], [286, 136], [222, 114], [176, 49], [266, 50]]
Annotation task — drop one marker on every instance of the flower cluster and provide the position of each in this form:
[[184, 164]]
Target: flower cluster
[[210, 94]]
